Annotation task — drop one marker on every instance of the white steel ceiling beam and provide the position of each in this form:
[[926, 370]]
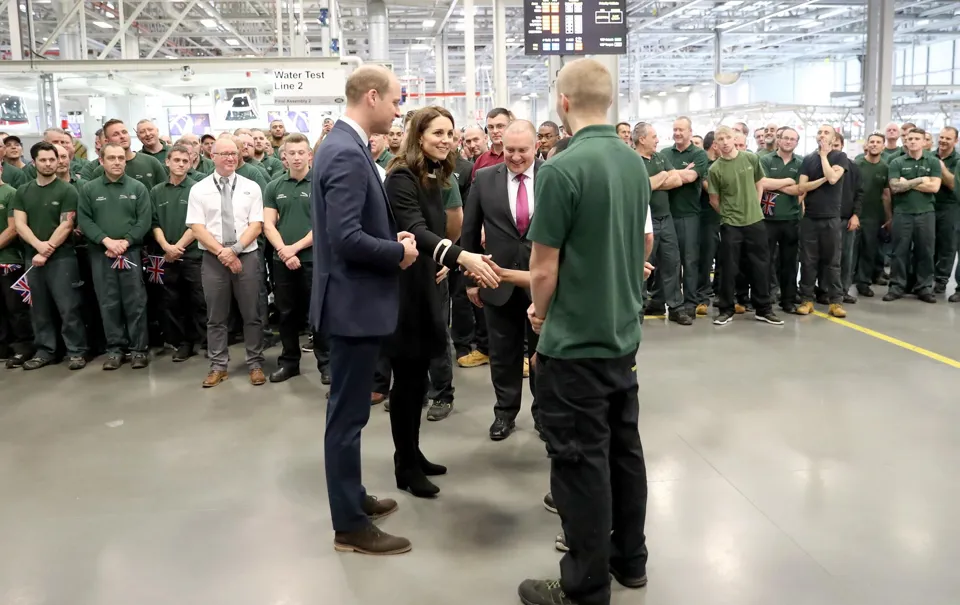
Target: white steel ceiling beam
[[173, 26]]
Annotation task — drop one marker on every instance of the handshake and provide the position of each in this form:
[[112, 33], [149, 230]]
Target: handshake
[[481, 276]]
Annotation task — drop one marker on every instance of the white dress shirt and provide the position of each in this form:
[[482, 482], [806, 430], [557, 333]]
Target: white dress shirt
[[204, 207], [356, 127], [648, 226], [513, 188]]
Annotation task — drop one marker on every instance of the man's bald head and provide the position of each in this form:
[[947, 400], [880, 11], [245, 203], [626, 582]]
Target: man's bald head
[[522, 126], [584, 87]]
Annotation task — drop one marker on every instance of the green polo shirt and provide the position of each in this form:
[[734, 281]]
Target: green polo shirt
[[12, 254], [118, 210], [685, 200], [143, 167], [451, 194], [271, 165], [592, 203], [777, 206], [384, 159], [254, 174], [765, 152], [888, 155], [735, 181], [13, 176], [45, 207], [659, 200], [169, 213], [161, 155], [946, 195], [913, 201], [259, 166], [205, 166], [874, 179], [292, 201]]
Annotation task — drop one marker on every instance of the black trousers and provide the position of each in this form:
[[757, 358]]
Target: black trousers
[[291, 296], [15, 329], [90, 306], [784, 236], [820, 240], [406, 408], [589, 413], [352, 361], [468, 326], [751, 242], [508, 325], [184, 307]]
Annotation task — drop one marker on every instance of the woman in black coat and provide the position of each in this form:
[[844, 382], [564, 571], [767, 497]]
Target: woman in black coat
[[414, 187]]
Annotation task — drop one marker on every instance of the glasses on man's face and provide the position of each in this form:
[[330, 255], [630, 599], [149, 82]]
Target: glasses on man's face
[[227, 154]]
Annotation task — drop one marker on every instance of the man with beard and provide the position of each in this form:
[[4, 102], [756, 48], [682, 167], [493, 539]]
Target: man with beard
[[277, 133], [263, 155], [141, 166], [876, 213], [851, 206]]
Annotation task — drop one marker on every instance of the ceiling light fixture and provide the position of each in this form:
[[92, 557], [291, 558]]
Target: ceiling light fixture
[[428, 23], [662, 93], [232, 41], [209, 23], [103, 25], [420, 47]]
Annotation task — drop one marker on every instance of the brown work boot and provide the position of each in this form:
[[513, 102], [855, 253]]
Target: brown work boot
[[702, 310], [378, 509], [739, 309], [257, 377], [473, 359], [214, 378], [370, 541], [837, 310], [806, 308]]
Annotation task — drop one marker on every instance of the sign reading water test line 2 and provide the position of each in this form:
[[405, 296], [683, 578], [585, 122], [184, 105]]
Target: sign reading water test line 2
[[308, 86]]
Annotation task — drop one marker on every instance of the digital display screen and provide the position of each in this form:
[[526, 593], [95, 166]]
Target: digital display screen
[[587, 27]]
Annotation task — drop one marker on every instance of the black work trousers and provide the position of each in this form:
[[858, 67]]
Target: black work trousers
[[291, 296], [15, 329], [820, 240], [589, 413], [751, 243], [468, 326], [785, 236], [509, 326], [90, 306], [406, 408], [184, 308]]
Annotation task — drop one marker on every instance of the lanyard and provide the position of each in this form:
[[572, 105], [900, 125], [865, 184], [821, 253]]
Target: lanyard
[[233, 187]]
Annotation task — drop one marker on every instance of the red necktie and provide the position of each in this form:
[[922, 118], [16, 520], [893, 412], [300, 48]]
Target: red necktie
[[523, 209]]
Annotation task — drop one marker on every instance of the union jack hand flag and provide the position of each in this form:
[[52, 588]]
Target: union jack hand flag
[[122, 262], [155, 270], [10, 268], [23, 288]]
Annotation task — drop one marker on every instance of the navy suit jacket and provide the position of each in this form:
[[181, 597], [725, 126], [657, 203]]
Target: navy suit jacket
[[356, 255]]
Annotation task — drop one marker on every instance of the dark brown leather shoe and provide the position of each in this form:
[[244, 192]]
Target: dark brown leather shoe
[[371, 541], [257, 377], [377, 398], [378, 509], [214, 378]]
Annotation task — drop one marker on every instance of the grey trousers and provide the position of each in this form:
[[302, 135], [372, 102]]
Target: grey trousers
[[665, 257], [918, 230], [688, 243], [849, 250], [220, 286], [441, 366]]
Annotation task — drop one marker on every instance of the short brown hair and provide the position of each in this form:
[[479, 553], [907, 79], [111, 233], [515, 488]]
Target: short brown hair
[[411, 155], [367, 78], [588, 85], [296, 137], [109, 123], [105, 146], [179, 148], [919, 131]]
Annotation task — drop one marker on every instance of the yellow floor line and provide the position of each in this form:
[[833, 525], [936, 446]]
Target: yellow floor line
[[894, 341]]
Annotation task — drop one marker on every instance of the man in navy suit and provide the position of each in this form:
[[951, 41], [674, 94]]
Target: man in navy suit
[[357, 259]]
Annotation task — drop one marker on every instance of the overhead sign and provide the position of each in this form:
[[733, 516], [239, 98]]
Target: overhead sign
[[309, 86], [575, 27]]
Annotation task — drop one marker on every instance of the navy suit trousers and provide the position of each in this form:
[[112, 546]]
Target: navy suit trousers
[[352, 364]]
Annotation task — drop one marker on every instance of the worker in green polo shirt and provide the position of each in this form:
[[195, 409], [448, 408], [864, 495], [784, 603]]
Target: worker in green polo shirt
[[780, 204], [16, 335], [184, 307], [149, 136], [114, 214], [44, 211], [735, 189], [378, 149], [263, 155], [588, 246], [914, 181], [947, 210], [891, 149], [288, 224], [876, 213], [690, 163], [54, 136], [140, 166], [248, 151], [665, 283], [10, 174]]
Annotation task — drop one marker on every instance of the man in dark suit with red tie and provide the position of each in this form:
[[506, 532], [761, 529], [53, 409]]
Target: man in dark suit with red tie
[[501, 203], [357, 257]]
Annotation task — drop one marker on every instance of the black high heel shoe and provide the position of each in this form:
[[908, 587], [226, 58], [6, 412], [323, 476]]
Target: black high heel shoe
[[416, 483]]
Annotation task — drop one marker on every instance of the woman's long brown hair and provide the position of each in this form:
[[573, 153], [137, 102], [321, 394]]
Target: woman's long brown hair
[[411, 156]]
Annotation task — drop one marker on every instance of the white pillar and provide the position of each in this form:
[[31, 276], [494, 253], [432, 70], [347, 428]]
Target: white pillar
[[501, 92], [379, 38], [470, 61], [13, 20], [612, 63], [440, 63], [69, 41]]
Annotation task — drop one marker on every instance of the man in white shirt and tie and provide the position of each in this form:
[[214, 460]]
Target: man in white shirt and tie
[[501, 204], [225, 212]]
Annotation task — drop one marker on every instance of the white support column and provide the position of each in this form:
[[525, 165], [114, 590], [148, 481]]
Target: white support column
[[445, 53], [440, 64], [501, 94], [885, 67], [278, 7], [470, 61], [377, 24], [84, 50], [612, 63], [13, 21], [335, 29], [123, 39], [878, 65]]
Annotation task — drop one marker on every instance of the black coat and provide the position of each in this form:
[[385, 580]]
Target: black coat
[[421, 331]]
